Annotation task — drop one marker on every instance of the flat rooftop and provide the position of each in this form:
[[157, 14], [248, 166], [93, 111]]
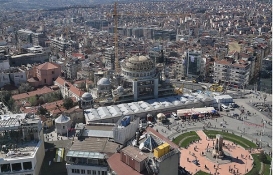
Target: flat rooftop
[[14, 121], [14, 151], [93, 144]]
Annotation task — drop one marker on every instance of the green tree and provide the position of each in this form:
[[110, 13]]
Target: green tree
[[262, 157], [7, 99], [33, 101], [82, 86], [68, 103], [25, 87], [42, 111]]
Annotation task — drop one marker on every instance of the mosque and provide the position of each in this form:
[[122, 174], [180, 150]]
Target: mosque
[[140, 79]]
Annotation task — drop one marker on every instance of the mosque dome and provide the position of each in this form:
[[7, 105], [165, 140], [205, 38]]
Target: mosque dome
[[87, 96], [138, 63], [138, 67], [104, 81]]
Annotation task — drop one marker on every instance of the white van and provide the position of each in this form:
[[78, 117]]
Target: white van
[[224, 107], [174, 116]]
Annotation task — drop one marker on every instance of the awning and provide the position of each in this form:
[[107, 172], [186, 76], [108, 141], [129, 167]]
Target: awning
[[160, 115]]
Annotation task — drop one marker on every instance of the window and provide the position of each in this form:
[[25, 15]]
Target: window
[[103, 173], [98, 172], [94, 172], [45, 80], [76, 171], [27, 165], [88, 171], [82, 171], [53, 72]]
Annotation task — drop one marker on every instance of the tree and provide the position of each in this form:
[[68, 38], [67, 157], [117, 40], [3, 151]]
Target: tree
[[42, 111], [68, 103], [25, 87], [262, 157], [82, 86], [33, 101]]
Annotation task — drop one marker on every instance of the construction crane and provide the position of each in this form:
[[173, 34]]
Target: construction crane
[[179, 90], [115, 15]]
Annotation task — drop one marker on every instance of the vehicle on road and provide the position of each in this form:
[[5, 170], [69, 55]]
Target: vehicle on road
[[174, 116]]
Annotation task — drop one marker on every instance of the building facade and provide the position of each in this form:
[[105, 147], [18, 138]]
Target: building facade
[[44, 74], [231, 72], [18, 159]]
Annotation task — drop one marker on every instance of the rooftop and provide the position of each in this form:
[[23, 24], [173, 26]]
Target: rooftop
[[137, 107], [41, 91], [12, 145], [13, 121], [93, 144], [48, 66], [120, 168]]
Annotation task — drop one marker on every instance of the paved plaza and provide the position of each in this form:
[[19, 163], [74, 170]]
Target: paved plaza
[[240, 166], [251, 127]]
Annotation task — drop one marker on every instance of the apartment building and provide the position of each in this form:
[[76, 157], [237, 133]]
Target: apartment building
[[232, 72], [67, 89], [38, 39], [4, 79], [24, 36], [28, 58], [22, 144], [4, 63], [61, 43], [17, 76], [71, 68], [109, 58]]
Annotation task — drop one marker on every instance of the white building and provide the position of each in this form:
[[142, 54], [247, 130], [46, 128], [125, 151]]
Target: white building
[[233, 73], [17, 76], [111, 114], [67, 89], [17, 131]]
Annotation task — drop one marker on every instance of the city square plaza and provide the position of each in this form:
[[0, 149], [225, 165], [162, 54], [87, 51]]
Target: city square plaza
[[241, 162]]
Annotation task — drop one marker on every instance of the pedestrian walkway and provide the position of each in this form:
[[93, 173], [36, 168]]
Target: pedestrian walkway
[[242, 160]]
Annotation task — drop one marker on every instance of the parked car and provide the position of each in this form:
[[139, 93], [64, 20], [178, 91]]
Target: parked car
[[174, 116]]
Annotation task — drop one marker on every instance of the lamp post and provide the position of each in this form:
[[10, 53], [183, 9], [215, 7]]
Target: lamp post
[[246, 165], [270, 169], [262, 133]]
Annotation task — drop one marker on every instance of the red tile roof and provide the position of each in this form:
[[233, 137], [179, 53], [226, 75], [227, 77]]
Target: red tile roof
[[223, 61], [41, 91], [78, 55], [60, 81], [48, 66], [76, 91], [119, 167], [72, 88]]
